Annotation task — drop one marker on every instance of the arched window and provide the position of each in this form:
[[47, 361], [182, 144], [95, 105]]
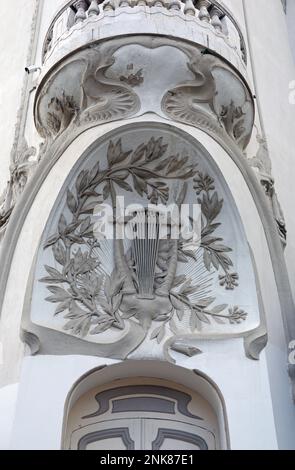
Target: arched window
[[142, 413]]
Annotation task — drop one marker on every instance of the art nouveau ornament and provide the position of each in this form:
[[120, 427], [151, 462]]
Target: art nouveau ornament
[[140, 296], [263, 167], [116, 79], [21, 168]]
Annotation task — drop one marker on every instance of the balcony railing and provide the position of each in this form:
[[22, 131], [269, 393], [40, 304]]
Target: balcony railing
[[211, 13]]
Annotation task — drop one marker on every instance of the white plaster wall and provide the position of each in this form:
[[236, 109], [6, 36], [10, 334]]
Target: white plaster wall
[[13, 59], [48, 10], [15, 35], [8, 398], [291, 23], [236, 8], [272, 58], [242, 382], [15, 30]]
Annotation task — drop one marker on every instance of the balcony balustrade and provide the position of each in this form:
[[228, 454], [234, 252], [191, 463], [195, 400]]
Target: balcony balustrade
[[202, 21], [115, 59]]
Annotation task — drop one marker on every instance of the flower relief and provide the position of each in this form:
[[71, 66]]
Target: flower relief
[[162, 285]]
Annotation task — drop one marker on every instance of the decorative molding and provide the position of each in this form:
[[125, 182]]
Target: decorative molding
[[178, 435], [200, 102], [21, 168], [255, 341], [220, 398], [262, 163], [45, 341], [105, 398], [186, 349], [96, 99], [32, 340], [105, 99], [151, 404], [122, 433]]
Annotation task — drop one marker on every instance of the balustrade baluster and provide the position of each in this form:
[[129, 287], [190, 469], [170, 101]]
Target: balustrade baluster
[[109, 6], [93, 9], [81, 7], [174, 5], [189, 8], [158, 3], [207, 11], [203, 6], [124, 3], [216, 14]]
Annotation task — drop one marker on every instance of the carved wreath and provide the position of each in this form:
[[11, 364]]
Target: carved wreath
[[92, 301]]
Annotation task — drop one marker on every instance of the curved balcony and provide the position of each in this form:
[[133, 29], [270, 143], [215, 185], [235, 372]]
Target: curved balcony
[[115, 59], [204, 22]]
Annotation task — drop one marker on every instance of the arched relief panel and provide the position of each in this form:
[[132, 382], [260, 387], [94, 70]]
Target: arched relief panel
[[142, 413], [196, 88], [147, 296]]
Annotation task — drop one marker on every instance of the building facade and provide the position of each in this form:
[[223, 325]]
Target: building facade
[[146, 223]]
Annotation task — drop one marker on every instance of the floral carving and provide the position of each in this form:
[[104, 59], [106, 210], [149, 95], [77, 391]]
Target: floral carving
[[131, 78], [61, 113], [230, 280], [215, 254], [232, 118], [93, 300]]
